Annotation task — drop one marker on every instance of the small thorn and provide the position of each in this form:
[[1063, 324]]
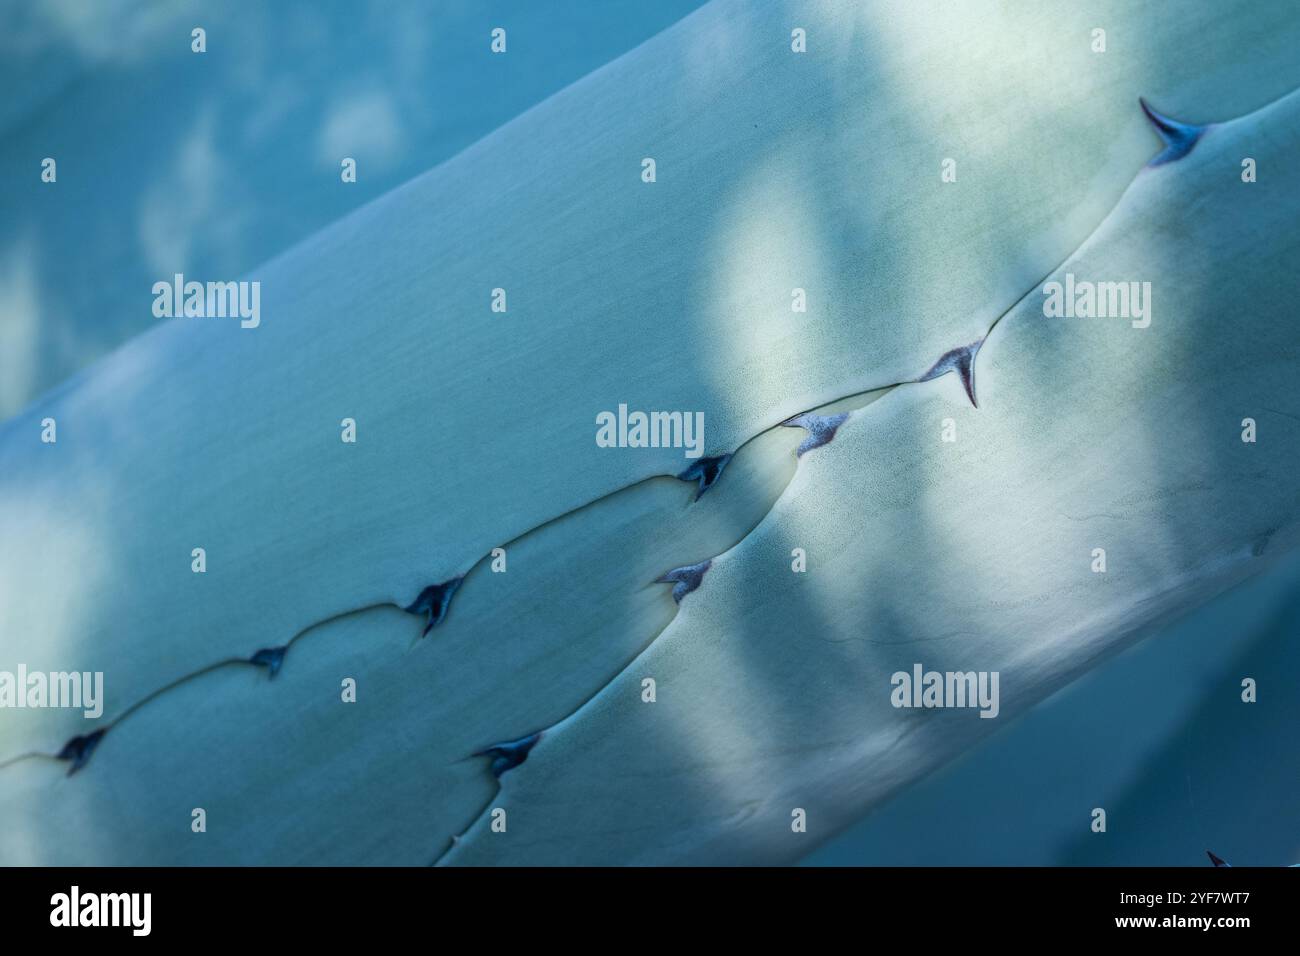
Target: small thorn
[[1179, 138], [706, 471], [271, 658], [511, 754], [960, 360], [79, 749], [1216, 861], [821, 429], [433, 602], [685, 579]]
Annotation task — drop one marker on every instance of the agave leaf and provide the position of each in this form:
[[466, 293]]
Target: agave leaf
[[775, 688], [476, 428], [394, 776]]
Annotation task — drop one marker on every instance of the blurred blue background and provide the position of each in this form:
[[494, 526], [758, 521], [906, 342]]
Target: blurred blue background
[[165, 168]]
